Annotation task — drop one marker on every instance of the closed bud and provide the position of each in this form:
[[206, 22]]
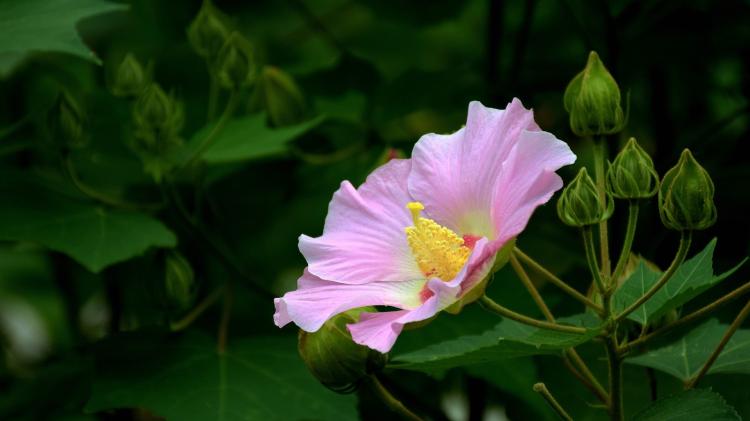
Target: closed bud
[[158, 119], [179, 282], [208, 32], [592, 99], [334, 359], [686, 196], [67, 122], [632, 174], [579, 203], [130, 78], [235, 64], [278, 95]]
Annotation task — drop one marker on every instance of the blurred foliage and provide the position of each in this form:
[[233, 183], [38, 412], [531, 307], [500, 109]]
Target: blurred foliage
[[87, 228]]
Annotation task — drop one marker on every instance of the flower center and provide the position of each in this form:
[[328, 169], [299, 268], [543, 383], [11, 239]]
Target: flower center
[[439, 252]]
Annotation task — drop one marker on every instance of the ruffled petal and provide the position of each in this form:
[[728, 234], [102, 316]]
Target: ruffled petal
[[379, 331], [317, 300], [363, 239], [528, 180], [455, 175]]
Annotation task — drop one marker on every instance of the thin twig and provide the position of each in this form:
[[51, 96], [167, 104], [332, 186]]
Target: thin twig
[[488, 304], [557, 281], [541, 388], [204, 305], [720, 347], [391, 401]]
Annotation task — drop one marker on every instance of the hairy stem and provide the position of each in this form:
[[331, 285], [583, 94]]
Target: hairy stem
[[207, 141], [615, 378], [391, 401], [720, 347], [628, 242], [600, 156], [488, 304], [541, 388], [688, 318], [588, 245], [685, 239], [557, 281]]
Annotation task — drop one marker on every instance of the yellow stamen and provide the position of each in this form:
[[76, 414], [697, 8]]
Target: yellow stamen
[[439, 251]]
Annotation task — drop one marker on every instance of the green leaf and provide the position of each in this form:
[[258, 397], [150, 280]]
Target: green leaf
[[93, 235], [693, 405], [42, 25], [183, 378], [692, 278], [684, 357], [248, 138], [508, 339]]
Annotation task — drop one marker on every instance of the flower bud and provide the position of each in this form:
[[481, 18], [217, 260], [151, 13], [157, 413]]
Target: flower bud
[[593, 100], [235, 64], [179, 282], [686, 196], [278, 95], [208, 32], [579, 203], [158, 120], [334, 359], [632, 174], [67, 122], [130, 78]]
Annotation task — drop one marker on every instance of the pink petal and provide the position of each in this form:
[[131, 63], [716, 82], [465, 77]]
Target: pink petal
[[318, 300], [487, 178], [379, 331], [455, 175], [528, 180], [363, 239]]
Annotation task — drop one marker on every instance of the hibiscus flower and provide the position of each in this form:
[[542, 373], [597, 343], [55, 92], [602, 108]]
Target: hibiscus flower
[[423, 234]]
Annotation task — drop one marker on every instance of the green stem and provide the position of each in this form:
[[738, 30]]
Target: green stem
[[206, 142], [213, 95], [197, 311], [600, 155], [588, 245], [92, 193], [615, 379], [557, 281], [541, 388], [720, 347], [496, 308], [689, 318], [633, 207], [685, 239], [391, 401]]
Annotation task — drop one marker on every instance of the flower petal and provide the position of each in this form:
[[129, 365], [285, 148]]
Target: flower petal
[[317, 300], [455, 175], [380, 330], [528, 180], [363, 239]]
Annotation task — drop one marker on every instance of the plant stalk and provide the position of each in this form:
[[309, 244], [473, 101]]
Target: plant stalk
[[391, 401], [541, 388], [488, 304], [600, 156], [627, 244]]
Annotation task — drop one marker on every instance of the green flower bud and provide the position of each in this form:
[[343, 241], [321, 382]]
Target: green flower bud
[[593, 100], [686, 196], [130, 78], [67, 122], [235, 64], [209, 31], [157, 120], [179, 282], [632, 174], [334, 359], [579, 203], [278, 95]]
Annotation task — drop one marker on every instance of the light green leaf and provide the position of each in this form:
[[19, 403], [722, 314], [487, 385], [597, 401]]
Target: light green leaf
[[684, 357], [42, 25], [693, 405], [692, 278], [183, 378], [248, 138], [93, 235], [508, 339]]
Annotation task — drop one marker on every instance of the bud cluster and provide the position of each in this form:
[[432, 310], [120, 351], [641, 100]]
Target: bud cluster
[[278, 95], [129, 78], [158, 119], [67, 122]]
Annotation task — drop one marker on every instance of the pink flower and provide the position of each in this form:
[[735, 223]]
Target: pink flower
[[419, 234]]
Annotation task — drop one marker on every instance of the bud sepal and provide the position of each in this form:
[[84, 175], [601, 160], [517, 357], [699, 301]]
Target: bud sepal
[[632, 174], [579, 203], [686, 196]]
